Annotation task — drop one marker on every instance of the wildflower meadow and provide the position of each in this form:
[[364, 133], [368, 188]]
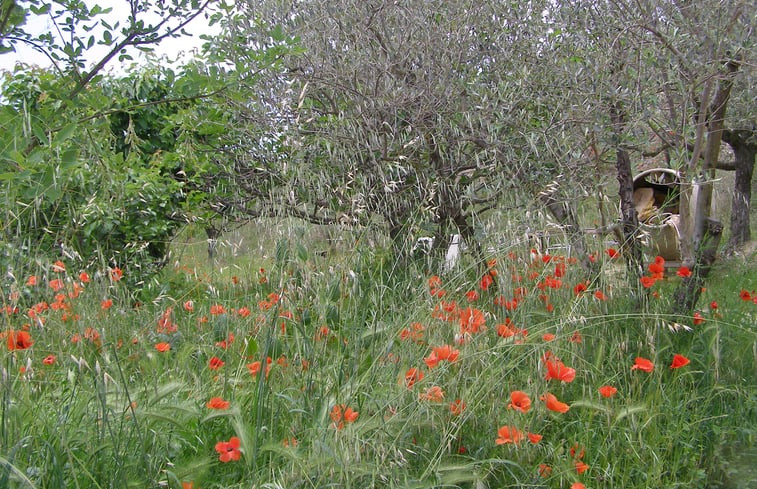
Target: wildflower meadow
[[356, 372], [347, 244]]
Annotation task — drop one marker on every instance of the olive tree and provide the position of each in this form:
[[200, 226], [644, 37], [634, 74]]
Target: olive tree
[[665, 72], [410, 114]]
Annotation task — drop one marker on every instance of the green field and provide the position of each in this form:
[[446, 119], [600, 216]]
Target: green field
[[355, 370]]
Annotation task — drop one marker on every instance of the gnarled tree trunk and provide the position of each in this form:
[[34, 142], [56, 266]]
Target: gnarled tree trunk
[[745, 152], [631, 246]]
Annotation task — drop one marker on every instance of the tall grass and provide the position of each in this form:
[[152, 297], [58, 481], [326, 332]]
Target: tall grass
[[113, 411]]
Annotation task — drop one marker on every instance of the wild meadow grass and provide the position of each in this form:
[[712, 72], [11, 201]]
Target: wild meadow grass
[[303, 371]]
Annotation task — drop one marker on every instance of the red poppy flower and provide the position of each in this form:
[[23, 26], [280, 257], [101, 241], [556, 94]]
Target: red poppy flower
[[31, 281], [506, 330], [713, 305], [486, 281], [607, 391], [432, 394], [92, 335], [581, 467], [745, 295], [698, 318], [254, 368], [558, 371], [106, 304], [684, 272], [534, 438], [49, 360], [510, 305], [600, 295], [508, 434], [519, 401], [471, 320], [84, 277], [553, 404], [577, 485], [679, 361], [116, 274], [434, 282], [59, 267], [56, 284], [414, 332], [647, 281], [215, 363], [18, 340], [441, 353], [641, 363], [228, 450], [412, 376], [341, 414], [612, 253], [577, 452], [437, 293], [217, 309], [162, 346], [552, 282], [457, 407], [545, 470], [580, 287], [217, 403], [548, 337]]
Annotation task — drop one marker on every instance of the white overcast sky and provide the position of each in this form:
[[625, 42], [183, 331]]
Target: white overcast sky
[[172, 48]]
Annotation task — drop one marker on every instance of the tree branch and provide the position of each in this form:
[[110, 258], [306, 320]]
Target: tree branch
[[133, 39], [37, 47], [171, 32]]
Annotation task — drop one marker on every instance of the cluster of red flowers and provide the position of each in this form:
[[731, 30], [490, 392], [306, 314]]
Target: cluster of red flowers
[[656, 272], [341, 414], [646, 365], [440, 354], [472, 320]]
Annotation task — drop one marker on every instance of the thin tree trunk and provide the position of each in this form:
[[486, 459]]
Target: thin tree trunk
[[742, 190], [707, 231], [213, 234], [688, 292], [630, 246], [711, 152], [467, 232]]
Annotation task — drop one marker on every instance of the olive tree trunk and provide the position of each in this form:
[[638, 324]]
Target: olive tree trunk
[[745, 153]]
